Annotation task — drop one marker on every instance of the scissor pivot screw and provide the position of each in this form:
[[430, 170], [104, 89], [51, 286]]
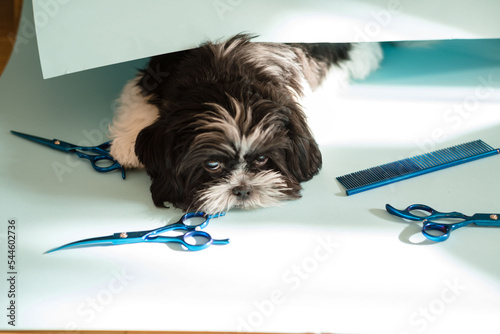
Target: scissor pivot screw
[[123, 235], [57, 142], [494, 217]]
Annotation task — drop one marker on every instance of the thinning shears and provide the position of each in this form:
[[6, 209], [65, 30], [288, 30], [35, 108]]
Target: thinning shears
[[192, 239], [98, 155], [435, 230]]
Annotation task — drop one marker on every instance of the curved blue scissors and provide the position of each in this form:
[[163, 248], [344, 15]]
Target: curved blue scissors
[[97, 154], [193, 239], [437, 231]]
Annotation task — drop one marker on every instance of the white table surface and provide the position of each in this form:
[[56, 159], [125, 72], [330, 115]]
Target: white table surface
[[324, 263]]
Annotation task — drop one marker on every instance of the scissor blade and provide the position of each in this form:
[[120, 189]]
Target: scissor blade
[[110, 240], [486, 219], [53, 143]]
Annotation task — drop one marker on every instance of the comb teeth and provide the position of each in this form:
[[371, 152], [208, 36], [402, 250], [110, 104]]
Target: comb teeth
[[421, 164]]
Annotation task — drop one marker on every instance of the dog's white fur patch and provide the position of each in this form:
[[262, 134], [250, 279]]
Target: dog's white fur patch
[[132, 114], [268, 189], [364, 59], [234, 128]]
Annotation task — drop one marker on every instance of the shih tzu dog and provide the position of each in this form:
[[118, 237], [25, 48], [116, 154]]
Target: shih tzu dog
[[221, 126]]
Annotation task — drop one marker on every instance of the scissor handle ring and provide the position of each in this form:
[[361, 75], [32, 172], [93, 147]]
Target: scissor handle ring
[[196, 236], [196, 214], [113, 163], [428, 226], [421, 207], [95, 158], [406, 213]]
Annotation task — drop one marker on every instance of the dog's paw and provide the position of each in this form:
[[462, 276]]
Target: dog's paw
[[133, 113], [123, 150]]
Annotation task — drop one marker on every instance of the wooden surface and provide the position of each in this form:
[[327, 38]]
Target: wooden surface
[[9, 18]]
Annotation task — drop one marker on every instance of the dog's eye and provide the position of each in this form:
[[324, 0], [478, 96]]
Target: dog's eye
[[260, 161], [213, 166]]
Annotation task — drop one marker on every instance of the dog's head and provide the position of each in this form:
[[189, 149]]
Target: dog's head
[[211, 157]]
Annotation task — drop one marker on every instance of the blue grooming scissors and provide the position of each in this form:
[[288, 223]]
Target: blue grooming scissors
[[437, 231], [97, 154], [193, 239]]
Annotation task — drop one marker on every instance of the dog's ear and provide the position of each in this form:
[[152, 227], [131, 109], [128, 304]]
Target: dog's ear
[[304, 157], [154, 147]]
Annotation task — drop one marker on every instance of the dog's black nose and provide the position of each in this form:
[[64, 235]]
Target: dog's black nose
[[242, 192]]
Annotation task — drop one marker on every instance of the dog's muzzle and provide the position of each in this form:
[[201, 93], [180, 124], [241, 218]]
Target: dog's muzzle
[[242, 192]]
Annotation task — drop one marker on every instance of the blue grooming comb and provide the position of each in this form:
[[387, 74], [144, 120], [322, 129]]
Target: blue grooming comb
[[421, 164]]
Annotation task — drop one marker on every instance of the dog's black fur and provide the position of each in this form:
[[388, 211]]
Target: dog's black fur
[[233, 105]]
